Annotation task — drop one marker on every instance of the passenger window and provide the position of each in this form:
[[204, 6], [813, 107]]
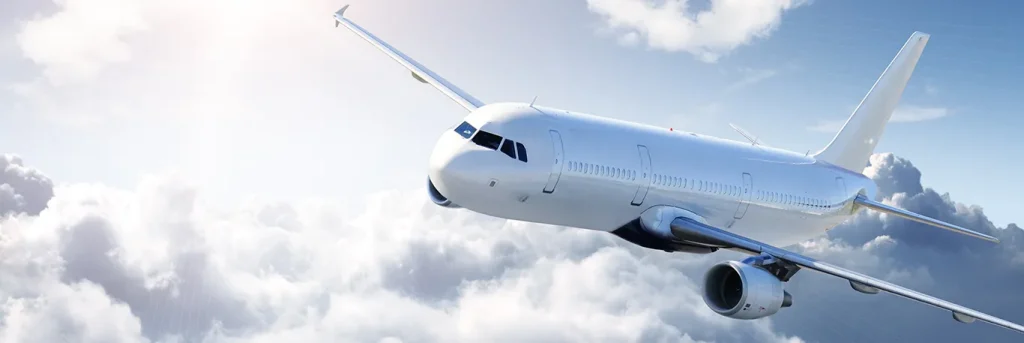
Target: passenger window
[[521, 149], [465, 130], [487, 140], [509, 148]]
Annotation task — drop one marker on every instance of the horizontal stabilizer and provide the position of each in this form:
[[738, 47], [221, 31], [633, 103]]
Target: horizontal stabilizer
[[899, 212]]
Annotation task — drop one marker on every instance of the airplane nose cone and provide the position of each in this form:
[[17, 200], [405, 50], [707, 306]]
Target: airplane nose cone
[[448, 165]]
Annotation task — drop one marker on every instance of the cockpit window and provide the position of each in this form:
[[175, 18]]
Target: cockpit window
[[522, 151], [487, 140], [509, 148], [466, 130]]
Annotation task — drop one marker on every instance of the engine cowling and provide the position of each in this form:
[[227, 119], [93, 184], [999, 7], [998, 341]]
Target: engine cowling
[[438, 198], [742, 291]]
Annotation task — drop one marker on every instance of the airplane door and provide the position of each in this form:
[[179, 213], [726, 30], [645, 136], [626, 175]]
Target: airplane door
[[643, 177], [748, 191], [556, 169], [841, 184]]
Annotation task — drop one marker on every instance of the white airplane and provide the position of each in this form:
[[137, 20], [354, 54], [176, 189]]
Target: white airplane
[[672, 190]]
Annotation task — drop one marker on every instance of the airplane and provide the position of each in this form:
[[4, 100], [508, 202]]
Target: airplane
[[673, 190]]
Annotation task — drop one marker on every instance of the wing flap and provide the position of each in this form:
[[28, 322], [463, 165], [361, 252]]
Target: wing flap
[[419, 72], [899, 212], [691, 230]]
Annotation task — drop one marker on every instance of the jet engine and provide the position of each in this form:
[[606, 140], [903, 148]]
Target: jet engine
[[437, 197], [742, 291]]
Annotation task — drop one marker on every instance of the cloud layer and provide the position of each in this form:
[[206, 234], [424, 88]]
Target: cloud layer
[[157, 264], [706, 33], [22, 189]]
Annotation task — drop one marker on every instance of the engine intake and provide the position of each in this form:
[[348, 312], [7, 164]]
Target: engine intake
[[742, 291], [437, 197]]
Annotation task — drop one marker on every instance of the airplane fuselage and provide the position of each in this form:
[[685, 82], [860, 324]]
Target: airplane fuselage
[[598, 173]]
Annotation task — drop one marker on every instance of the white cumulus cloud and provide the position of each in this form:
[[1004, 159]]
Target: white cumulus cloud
[[673, 25]]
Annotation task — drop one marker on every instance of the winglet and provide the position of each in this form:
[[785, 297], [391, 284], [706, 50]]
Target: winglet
[[339, 14]]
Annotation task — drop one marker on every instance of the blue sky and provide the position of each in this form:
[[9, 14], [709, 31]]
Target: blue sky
[[291, 89]]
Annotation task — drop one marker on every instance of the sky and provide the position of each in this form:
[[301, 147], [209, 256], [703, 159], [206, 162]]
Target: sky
[[279, 162]]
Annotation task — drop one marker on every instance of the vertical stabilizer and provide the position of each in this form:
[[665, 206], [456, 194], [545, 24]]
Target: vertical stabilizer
[[856, 141]]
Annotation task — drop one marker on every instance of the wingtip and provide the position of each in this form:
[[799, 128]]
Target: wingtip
[[339, 14]]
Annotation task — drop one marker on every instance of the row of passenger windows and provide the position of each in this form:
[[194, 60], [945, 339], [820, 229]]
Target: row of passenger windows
[[492, 141], [789, 199], [657, 179], [602, 171], [698, 185], [669, 181]]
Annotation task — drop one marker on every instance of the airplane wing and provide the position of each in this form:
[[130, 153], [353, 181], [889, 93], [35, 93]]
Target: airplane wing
[[419, 72], [693, 231]]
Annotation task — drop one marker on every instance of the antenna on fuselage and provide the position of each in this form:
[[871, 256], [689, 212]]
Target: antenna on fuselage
[[532, 101], [745, 134]]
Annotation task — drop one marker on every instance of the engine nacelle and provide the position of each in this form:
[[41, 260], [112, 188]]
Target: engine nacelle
[[438, 198], [742, 291]]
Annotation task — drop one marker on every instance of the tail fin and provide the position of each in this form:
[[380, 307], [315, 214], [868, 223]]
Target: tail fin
[[855, 142]]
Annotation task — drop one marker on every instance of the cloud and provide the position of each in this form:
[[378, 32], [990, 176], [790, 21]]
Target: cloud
[[910, 114], [707, 34], [827, 126], [22, 189], [167, 58], [82, 37], [751, 77], [902, 114]]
